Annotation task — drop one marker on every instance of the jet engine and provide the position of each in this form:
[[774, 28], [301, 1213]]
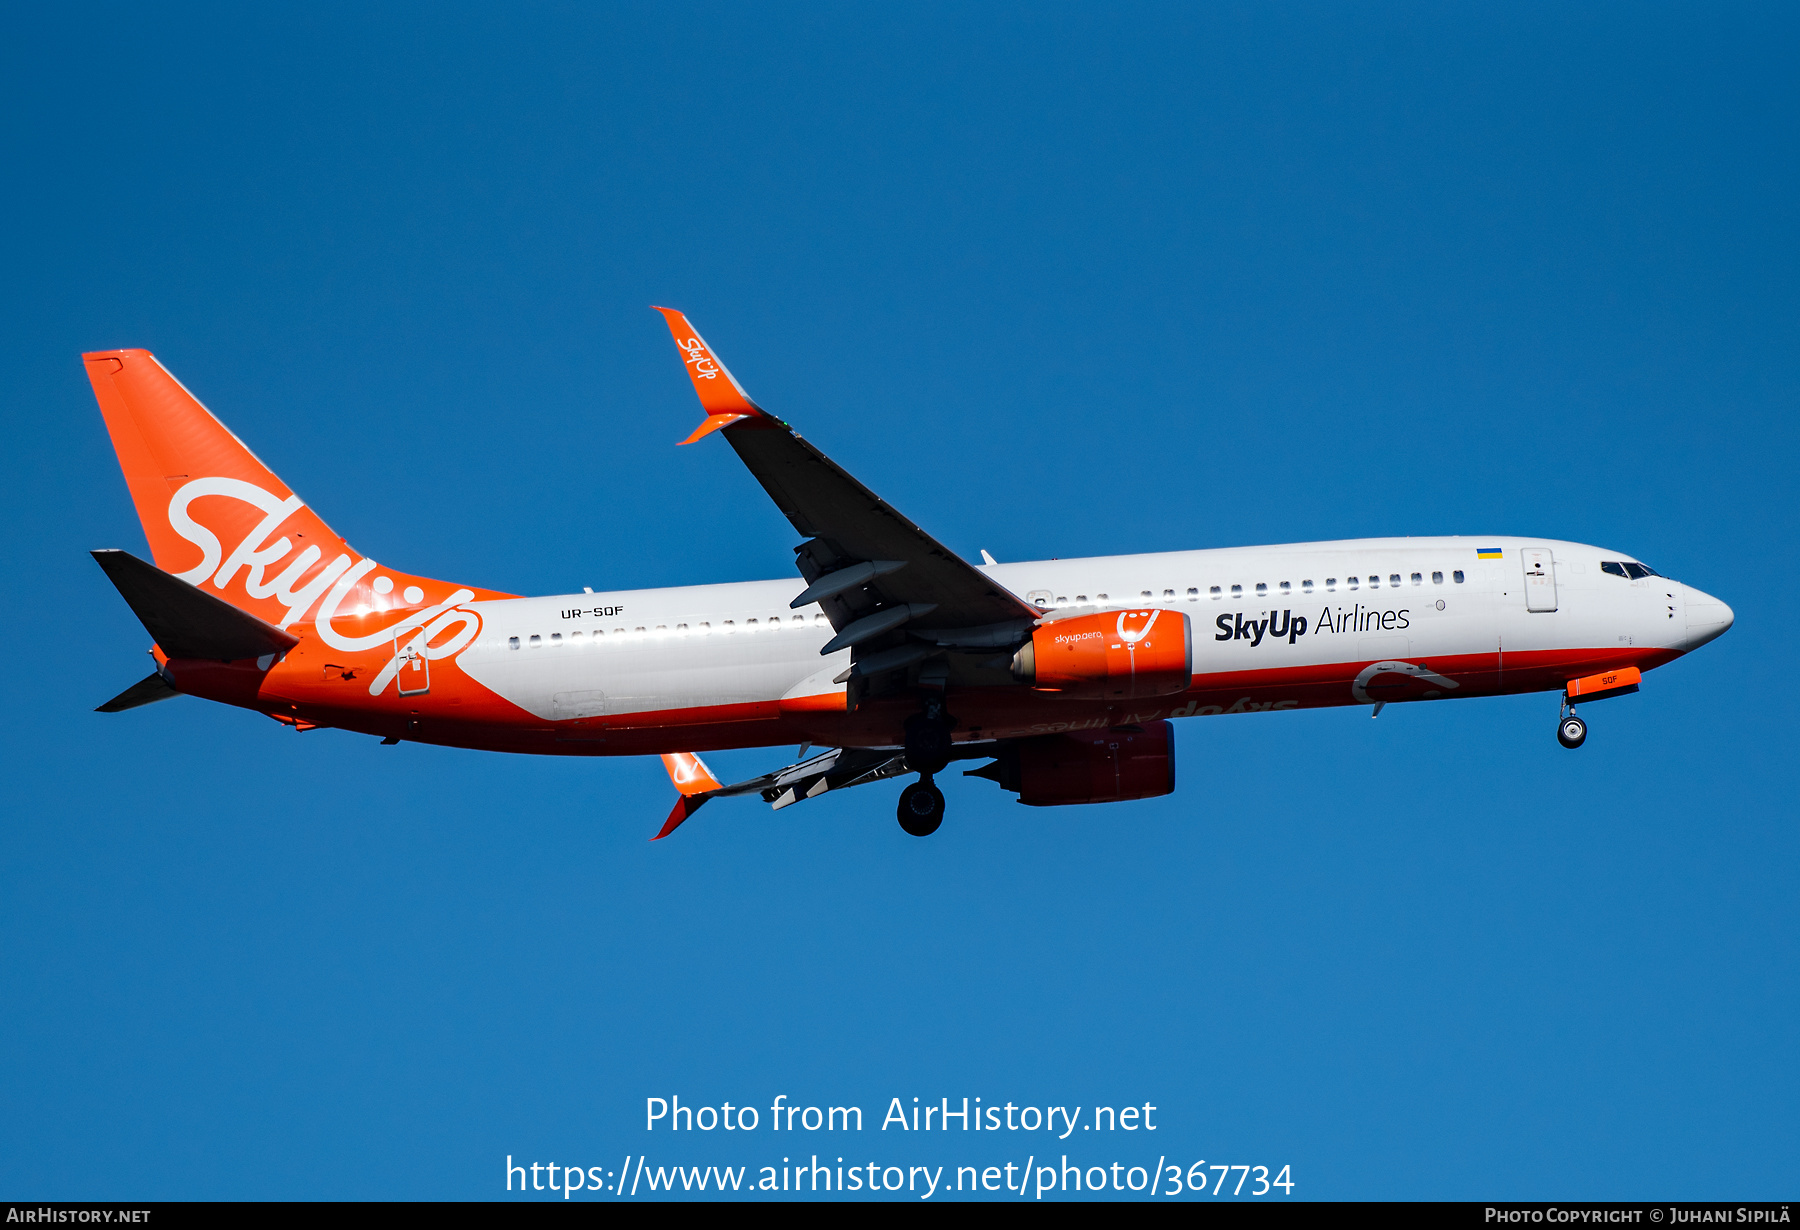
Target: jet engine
[[1092, 766], [1124, 654]]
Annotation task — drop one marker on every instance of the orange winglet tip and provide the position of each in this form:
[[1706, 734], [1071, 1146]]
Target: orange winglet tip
[[685, 806], [689, 773], [713, 423], [696, 783], [721, 396]]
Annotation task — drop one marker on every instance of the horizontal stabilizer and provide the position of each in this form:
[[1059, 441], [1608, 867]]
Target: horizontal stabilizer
[[187, 622], [146, 691]]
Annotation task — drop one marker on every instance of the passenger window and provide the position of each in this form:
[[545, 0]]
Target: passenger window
[[1081, 597], [1168, 593], [1143, 593], [798, 619], [556, 638], [1437, 578], [750, 623], [1100, 597], [618, 632], [819, 619], [1612, 567], [681, 627], [536, 640], [1214, 591], [1287, 587], [1061, 598], [1374, 582], [1331, 585], [1394, 580], [1457, 576], [1262, 589], [575, 636], [512, 642], [1354, 582], [662, 627], [1418, 578], [705, 625], [1306, 585], [1237, 591], [1193, 593]]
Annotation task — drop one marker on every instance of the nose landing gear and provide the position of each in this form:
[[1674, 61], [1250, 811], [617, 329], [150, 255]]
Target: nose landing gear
[[921, 808], [1571, 731]]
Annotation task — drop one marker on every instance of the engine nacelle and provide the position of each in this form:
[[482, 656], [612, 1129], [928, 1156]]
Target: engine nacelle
[[1125, 654], [1093, 766]]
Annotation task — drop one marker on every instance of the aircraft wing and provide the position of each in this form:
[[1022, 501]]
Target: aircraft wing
[[895, 595]]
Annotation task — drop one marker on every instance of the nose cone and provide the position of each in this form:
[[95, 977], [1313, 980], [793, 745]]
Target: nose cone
[[1707, 618]]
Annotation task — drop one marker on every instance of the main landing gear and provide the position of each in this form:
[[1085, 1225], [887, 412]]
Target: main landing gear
[[921, 808], [928, 749], [1571, 731]]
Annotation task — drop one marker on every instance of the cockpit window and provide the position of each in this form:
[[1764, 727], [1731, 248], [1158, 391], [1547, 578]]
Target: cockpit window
[[1638, 572], [1612, 567]]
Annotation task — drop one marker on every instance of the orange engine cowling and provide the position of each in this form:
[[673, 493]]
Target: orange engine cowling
[[1110, 653], [1092, 766]]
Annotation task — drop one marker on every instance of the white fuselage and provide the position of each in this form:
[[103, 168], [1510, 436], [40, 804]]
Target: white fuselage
[[700, 647]]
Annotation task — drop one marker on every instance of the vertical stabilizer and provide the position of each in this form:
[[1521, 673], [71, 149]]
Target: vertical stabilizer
[[219, 519]]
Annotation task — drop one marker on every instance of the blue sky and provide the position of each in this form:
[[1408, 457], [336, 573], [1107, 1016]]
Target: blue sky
[[1054, 281]]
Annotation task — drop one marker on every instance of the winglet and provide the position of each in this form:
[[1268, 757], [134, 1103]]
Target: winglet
[[696, 783], [724, 400]]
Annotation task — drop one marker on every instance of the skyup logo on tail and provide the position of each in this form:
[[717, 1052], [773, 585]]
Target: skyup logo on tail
[[255, 556]]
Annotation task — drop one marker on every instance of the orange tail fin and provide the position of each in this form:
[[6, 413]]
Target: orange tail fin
[[220, 519]]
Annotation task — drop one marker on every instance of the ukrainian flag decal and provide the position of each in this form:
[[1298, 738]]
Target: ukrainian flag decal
[[1489, 553]]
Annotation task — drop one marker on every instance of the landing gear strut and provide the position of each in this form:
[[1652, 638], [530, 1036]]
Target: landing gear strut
[[928, 738], [921, 808], [1571, 731], [928, 749]]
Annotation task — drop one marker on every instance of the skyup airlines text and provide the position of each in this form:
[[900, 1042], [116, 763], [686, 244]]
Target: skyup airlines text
[[1291, 627]]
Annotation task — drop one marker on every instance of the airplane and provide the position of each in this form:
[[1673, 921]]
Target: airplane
[[890, 655]]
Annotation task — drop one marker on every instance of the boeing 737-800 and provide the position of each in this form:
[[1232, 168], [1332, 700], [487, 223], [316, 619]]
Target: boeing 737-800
[[890, 654]]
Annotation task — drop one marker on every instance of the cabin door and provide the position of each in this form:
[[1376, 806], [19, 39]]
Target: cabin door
[[1540, 579]]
